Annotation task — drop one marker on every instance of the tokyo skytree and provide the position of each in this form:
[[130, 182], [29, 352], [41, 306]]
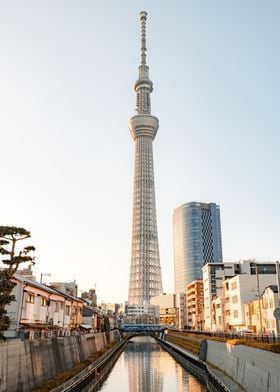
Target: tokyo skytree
[[145, 273]]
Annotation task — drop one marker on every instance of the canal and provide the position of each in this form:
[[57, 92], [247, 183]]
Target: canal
[[144, 366]]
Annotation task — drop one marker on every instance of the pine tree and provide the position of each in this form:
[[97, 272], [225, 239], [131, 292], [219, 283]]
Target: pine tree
[[11, 258]]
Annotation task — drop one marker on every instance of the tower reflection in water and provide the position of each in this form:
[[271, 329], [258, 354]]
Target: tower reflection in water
[[145, 367], [144, 371]]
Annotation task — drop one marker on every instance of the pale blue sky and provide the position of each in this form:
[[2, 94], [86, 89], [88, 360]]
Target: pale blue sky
[[67, 72]]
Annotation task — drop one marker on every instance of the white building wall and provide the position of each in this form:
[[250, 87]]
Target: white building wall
[[244, 288], [213, 277], [270, 303]]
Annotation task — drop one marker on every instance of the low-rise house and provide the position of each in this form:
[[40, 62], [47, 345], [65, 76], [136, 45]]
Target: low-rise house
[[41, 311], [270, 300], [260, 313]]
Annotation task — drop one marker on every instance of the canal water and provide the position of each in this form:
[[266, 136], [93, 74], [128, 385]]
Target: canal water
[[144, 366]]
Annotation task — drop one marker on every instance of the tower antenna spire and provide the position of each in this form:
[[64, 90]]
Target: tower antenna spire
[[143, 18]]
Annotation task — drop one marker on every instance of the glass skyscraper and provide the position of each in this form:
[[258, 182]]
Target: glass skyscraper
[[197, 241]]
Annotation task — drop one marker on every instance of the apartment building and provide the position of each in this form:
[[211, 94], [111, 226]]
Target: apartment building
[[213, 276], [141, 313], [195, 304], [224, 303]]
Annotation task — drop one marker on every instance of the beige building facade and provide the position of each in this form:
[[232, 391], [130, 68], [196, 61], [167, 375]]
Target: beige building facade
[[195, 305]]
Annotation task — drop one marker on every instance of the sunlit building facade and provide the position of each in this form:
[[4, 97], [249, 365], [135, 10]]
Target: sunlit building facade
[[195, 304]]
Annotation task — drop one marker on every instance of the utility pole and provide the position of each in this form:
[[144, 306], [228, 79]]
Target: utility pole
[[277, 307], [259, 297], [278, 280]]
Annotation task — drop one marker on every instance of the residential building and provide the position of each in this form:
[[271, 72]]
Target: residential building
[[195, 304], [213, 276], [246, 287], [91, 295], [270, 301], [141, 314], [181, 304], [89, 314], [221, 309], [70, 288], [145, 273], [260, 312], [172, 309], [167, 308], [40, 311], [231, 285], [197, 241]]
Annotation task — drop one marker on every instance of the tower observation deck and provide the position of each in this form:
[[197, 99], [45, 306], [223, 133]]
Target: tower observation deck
[[145, 273]]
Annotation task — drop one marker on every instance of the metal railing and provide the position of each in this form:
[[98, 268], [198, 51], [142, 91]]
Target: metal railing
[[266, 338]]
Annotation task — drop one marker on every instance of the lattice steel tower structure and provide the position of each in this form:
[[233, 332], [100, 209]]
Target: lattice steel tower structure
[[145, 273]]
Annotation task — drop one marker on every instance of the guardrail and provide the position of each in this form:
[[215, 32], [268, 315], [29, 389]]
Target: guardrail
[[267, 338]]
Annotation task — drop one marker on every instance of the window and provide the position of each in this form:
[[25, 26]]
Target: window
[[234, 299], [56, 309], [267, 269], [237, 269], [235, 313], [233, 285], [67, 310], [43, 301], [31, 298]]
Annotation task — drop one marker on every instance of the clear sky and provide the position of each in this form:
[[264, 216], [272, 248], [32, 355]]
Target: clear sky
[[67, 72]]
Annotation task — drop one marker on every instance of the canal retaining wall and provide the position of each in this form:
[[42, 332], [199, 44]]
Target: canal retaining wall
[[255, 370], [28, 363]]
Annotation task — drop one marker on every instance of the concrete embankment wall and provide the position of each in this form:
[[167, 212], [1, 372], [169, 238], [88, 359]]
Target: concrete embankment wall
[[255, 370], [26, 364]]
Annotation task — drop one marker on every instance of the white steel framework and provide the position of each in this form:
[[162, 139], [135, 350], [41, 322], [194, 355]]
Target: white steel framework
[[145, 273]]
